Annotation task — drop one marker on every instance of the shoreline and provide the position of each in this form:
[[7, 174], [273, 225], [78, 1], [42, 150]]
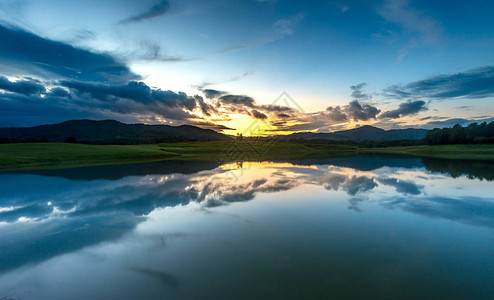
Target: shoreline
[[36, 156]]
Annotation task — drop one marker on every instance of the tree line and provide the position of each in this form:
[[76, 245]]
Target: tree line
[[474, 133]]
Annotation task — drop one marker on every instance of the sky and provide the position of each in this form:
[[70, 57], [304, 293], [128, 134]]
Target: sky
[[256, 67]]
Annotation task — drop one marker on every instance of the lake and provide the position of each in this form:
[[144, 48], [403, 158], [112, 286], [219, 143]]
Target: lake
[[361, 227]]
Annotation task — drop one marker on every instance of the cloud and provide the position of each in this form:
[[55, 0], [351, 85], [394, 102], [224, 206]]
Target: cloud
[[231, 49], [419, 28], [412, 21], [68, 99], [405, 109], [284, 27], [361, 112], [404, 187], [59, 93], [277, 108], [474, 83], [336, 114], [133, 90], [258, 115], [238, 100], [156, 10], [470, 210], [211, 94], [453, 121], [153, 51], [206, 108], [26, 86], [357, 184], [358, 92], [356, 110], [211, 125], [25, 53]]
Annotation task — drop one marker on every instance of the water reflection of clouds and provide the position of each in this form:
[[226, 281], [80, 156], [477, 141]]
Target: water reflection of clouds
[[53, 197], [471, 210], [58, 214]]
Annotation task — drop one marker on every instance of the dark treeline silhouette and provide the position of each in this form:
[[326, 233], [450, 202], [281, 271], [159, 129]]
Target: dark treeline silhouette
[[4, 140], [111, 141], [472, 134]]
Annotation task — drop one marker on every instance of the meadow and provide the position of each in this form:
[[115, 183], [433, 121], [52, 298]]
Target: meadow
[[64, 155]]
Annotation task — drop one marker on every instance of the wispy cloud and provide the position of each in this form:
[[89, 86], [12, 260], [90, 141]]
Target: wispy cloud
[[474, 83], [285, 26], [156, 10], [419, 28]]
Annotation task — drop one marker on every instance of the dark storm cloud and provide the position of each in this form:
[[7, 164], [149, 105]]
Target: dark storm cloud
[[361, 112], [258, 115], [405, 109], [474, 83], [26, 53], [136, 91], [21, 110], [156, 10], [26, 86], [238, 100], [131, 102]]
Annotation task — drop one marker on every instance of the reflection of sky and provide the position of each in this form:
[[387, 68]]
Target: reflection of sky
[[55, 197], [43, 219]]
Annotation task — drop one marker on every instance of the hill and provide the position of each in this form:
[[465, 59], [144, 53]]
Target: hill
[[364, 133], [111, 132]]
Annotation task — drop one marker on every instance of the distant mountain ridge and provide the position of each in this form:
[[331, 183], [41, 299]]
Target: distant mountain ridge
[[112, 132], [364, 133]]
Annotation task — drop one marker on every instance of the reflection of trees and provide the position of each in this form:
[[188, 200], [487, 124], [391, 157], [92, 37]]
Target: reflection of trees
[[368, 162], [456, 168], [115, 172], [80, 212]]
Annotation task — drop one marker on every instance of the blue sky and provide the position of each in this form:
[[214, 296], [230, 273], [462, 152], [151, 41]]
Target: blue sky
[[345, 63]]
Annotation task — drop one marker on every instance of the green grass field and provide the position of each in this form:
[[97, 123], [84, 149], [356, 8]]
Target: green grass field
[[57, 155], [477, 152], [253, 151]]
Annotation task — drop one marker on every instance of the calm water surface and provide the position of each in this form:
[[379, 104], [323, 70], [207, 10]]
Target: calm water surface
[[355, 227]]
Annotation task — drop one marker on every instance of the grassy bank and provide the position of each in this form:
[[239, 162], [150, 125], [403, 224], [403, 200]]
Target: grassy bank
[[56, 155], [474, 152], [253, 151]]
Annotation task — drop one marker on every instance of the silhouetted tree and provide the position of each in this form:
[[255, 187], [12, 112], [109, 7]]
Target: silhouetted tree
[[472, 134]]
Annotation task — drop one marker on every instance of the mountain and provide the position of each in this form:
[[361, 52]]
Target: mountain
[[364, 133], [111, 132]]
